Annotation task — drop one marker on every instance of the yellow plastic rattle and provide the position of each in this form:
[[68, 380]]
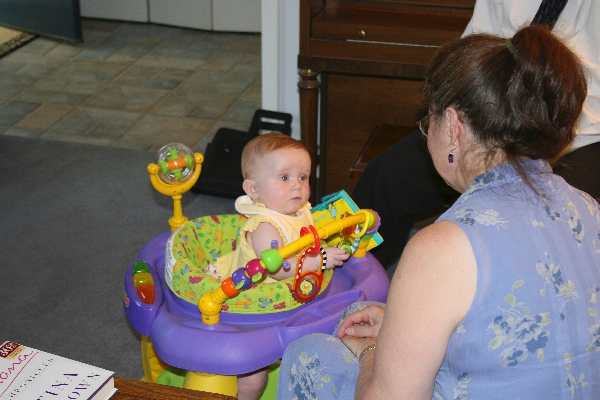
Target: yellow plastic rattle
[[175, 172]]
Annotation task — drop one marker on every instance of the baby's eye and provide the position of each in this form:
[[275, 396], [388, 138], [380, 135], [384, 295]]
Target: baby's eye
[[284, 177], [303, 178]]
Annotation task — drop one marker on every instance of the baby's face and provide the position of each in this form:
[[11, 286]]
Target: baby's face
[[281, 180]]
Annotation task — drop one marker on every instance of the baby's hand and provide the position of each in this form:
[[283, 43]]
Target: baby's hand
[[335, 257]]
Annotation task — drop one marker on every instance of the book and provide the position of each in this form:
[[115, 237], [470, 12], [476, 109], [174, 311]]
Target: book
[[336, 206], [30, 374]]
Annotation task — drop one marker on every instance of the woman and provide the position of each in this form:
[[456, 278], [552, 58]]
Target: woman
[[497, 299], [406, 163]]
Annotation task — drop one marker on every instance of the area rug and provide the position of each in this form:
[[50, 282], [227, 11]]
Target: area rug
[[11, 39], [72, 218]]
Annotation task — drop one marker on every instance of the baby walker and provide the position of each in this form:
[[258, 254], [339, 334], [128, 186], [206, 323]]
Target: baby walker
[[200, 333]]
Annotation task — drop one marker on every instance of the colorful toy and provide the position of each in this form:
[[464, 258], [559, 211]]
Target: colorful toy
[[143, 282], [174, 174], [306, 284], [176, 163], [175, 334]]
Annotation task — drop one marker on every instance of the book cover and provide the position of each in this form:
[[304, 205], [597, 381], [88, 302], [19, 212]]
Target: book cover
[[336, 206], [30, 374]]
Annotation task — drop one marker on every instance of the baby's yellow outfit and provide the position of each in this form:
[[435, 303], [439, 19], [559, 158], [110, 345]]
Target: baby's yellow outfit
[[288, 226]]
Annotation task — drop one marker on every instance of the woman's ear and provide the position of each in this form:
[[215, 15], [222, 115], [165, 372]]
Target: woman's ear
[[249, 187], [456, 126]]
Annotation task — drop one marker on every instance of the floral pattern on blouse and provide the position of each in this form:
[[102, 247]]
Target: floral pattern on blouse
[[524, 334], [521, 332], [594, 344], [486, 218], [460, 391], [552, 274]]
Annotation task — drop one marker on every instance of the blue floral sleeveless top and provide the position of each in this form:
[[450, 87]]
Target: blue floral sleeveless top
[[533, 331]]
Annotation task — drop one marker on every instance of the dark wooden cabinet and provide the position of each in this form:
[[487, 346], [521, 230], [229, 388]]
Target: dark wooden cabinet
[[371, 57]]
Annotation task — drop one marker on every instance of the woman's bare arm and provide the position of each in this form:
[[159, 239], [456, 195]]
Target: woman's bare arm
[[431, 292]]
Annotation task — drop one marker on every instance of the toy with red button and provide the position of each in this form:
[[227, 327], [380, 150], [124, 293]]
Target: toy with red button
[[143, 282], [307, 284]]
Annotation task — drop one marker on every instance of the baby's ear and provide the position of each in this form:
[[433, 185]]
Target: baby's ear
[[250, 188]]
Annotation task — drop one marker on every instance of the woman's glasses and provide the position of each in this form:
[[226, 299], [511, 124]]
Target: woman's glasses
[[423, 124]]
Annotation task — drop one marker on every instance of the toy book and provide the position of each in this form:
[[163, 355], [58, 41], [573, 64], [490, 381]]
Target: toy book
[[30, 374], [336, 206]]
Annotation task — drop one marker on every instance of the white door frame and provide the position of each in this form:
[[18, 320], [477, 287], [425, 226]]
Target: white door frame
[[280, 42]]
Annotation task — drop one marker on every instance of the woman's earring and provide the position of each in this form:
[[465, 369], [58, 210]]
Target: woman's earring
[[451, 156]]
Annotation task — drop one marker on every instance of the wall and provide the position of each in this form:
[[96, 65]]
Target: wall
[[280, 45]]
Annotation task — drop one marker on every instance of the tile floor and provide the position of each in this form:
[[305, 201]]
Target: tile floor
[[131, 85]]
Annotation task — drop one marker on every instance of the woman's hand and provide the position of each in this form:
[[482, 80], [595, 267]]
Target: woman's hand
[[360, 329], [363, 324]]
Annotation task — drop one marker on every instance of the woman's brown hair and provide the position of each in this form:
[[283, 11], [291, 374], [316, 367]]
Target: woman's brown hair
[[521, 96]]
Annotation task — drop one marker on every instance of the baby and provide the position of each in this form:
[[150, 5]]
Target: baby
[[276, 169]]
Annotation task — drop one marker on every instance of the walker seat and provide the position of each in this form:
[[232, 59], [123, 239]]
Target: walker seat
[[197, 244]]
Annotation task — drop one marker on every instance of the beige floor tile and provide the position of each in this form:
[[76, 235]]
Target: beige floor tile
[[242, 111], [45, 116], [154, 60], [218, 83], [124, 58], [248, 43], [209, 113], [182, 101], [128, 98], [89, 88], [157, 131], [176, 73], [222, 62], [25, 59], [83, 70], [51, 96], [253, 93], [65, 51], [136, 75]]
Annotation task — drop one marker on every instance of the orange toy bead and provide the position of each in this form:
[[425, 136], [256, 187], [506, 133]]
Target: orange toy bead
[[176, 163], [229, 288]]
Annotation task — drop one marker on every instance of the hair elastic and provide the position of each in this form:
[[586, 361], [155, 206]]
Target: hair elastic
[[511, 47]]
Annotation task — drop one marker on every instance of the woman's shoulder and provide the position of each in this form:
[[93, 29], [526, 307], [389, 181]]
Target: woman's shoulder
[[441, 230], [436, 248]]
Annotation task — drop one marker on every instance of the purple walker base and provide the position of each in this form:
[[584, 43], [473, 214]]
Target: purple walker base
[[241, 343]]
